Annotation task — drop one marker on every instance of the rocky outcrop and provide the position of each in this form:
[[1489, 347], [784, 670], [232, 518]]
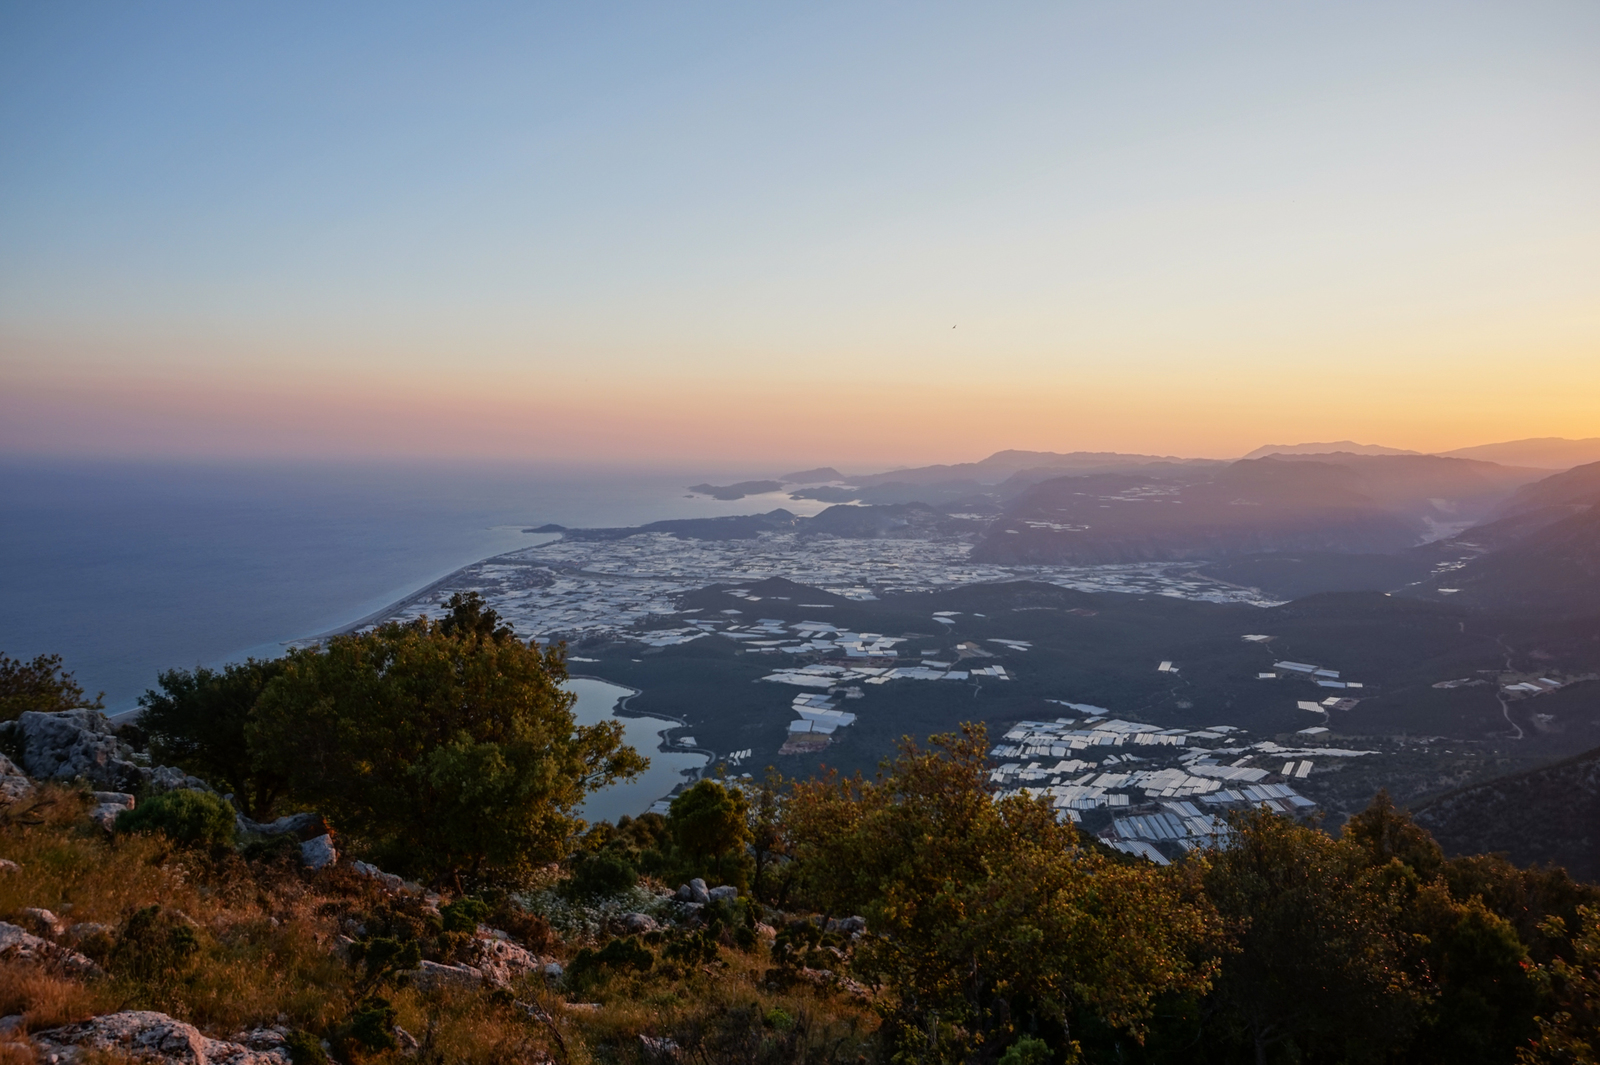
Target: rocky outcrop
[[18, 944], [500, 960], [69, 744], [14, 783], [149, 1036], [432, 975], [694, 891], [82, 744], [109, 805]]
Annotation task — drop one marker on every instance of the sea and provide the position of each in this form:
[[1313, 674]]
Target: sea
[[129, 568]]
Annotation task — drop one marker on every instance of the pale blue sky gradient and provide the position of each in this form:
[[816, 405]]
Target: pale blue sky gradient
[[706, 221]]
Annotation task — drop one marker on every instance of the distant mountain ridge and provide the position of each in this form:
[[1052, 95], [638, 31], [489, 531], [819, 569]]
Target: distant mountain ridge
[[1341, 503], [1349, 447]]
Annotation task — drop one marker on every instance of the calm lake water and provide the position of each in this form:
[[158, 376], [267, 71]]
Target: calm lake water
[[596, 702]]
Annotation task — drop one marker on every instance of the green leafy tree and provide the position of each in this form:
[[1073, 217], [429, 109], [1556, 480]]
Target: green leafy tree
[[197, 720], [1319, 952], [40, 685], [448, 748], [988, 920], [709, 825], [1570, 1035], [1464, 958], [770, 850]]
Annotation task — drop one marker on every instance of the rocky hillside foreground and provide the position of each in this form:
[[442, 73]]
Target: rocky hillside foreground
[[120, 945]]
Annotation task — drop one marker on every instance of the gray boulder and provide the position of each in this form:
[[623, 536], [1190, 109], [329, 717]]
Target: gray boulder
[[501, 961], [638, 923], [726, 891], [301, 826], [18, 944], [69, 744], [148, 1036], [847, 925], [432, 974], [14, 783], [171, 778], [319, 853], [110, 806], [694, 891]]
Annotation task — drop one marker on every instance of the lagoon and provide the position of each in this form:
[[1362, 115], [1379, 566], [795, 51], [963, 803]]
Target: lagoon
[[598, 701]]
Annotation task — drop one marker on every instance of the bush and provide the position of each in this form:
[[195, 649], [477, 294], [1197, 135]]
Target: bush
[[305, 1048], [154, 944], [464, 915], [600, 874], [1026, 1051], [192, 818]]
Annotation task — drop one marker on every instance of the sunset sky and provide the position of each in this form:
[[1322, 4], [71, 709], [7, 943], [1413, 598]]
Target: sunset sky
[[746, 233]]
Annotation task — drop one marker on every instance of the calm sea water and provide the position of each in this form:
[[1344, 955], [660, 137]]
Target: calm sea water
[[126, 569]]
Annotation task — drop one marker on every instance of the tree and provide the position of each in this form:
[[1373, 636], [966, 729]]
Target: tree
[[1571, 1034], [1464, 958], [1318, 958], [198, 721], [769, 841], [708, 825], [448, 749], [40, 685], [989, 919]]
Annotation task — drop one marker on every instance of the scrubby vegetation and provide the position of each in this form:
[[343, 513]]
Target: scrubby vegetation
[[909, 917]]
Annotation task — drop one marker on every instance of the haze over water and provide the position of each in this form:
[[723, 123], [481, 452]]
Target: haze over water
[[126, 569]]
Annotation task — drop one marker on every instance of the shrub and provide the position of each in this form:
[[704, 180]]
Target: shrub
[[464, 915], [305, 1048], [192, 818], [154, 944], [370, 1028], [600, 874], [1026, 1051]]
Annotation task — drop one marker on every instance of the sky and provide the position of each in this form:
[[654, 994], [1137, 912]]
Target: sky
[[848, 233]]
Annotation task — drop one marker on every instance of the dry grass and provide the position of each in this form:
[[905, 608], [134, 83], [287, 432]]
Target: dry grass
[[265, 937]]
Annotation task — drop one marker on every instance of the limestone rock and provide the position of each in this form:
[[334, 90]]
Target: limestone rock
[[638, 923], [319, 853], [847, 925], [389, 880], [726, 891], [21, 945], [14, 783], [119, 799], [432, 975], [303, 826], [105, 815], [694, 891], [149, 1036], [44, 922], [658, 1049], [68, 744], [171, 778], [501, 961]]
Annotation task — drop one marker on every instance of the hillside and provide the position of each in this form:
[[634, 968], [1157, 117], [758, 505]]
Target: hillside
[[1548, 815], [1341, 503]]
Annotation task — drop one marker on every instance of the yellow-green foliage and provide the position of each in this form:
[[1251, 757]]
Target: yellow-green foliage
[[228, 945]]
